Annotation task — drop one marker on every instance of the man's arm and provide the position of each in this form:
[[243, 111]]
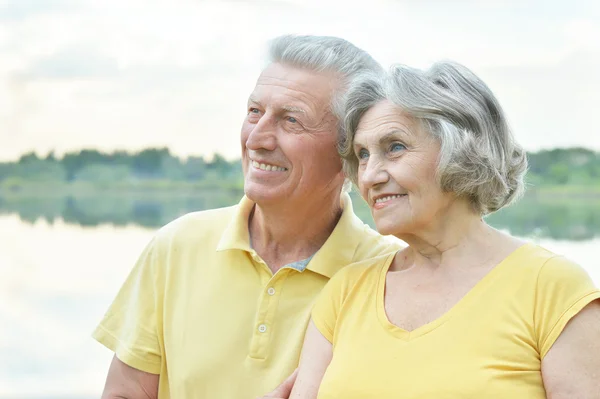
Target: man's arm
[[284, 389], [316, 356], [126, 382], [571, 368]]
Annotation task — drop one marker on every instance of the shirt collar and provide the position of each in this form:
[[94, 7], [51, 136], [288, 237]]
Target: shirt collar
[[337, 251], [236, 235]]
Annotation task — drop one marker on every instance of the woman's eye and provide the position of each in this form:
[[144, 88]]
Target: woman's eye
[[362, 154], [397, 147]]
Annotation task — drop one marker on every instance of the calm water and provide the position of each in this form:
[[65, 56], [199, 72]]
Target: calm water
[[63, 259]]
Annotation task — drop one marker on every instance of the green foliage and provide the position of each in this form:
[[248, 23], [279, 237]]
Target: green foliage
[[102, 173], [194, 168], [556, 167], [550, 216], [32, 168], [564, 166], [148, 163], [74, 162], [559, 173]]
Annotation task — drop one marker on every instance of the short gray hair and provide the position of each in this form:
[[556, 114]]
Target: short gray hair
[[325, 53], [479, 158]]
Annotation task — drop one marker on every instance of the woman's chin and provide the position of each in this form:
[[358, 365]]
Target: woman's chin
[[386, 228]]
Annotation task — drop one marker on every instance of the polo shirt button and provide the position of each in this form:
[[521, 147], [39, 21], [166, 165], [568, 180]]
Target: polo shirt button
[[262, 328], [271, 291]]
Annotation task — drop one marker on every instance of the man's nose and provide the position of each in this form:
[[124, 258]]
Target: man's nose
[[263, 135]]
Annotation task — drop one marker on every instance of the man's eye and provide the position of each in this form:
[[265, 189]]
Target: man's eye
[[253, 111], [291, 119], [397, 147]]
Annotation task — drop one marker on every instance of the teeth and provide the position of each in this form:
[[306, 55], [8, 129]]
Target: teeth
[[268, 168], [389, 197]]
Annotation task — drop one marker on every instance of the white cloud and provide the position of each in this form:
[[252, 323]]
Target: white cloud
[[583, 33], [131, 74]]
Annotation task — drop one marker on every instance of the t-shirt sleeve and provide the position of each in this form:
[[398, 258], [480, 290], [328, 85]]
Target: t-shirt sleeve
[[326, 311], [563, 290], [129, 327]]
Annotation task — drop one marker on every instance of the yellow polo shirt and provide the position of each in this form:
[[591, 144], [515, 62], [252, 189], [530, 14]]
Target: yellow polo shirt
[[204, 311], [489, 345]]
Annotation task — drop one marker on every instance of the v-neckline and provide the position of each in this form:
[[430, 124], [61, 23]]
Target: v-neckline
[[471, 295]]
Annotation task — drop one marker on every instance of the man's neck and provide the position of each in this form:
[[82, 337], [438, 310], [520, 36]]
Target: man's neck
[[285, 234]]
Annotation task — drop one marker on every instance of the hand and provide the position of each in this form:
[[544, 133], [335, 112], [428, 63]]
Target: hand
[[284, 389]]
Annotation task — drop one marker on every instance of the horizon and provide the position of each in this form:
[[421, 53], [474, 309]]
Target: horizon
[[209, 157]]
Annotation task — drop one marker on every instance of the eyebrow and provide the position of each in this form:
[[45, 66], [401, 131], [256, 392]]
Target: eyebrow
[[288, 108], [291, 108], [392, 135], [254, 100], [389, 136]]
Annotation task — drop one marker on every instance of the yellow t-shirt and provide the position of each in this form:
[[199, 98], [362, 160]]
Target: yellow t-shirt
[[489, 345], [204, 311]]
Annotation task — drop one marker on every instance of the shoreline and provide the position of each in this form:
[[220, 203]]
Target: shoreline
[[169, 188]]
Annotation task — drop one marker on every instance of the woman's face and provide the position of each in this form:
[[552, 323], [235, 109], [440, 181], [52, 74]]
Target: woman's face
[[397, 163]]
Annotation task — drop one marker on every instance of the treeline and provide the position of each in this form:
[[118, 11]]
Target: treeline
[[573, 166], [577, 166], [572, 219], [94, 166]]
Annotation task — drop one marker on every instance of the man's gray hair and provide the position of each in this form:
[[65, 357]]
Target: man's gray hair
[[479, 158], [321, 54]]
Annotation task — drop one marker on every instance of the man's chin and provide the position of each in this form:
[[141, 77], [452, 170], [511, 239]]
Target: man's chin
[[263, 195]]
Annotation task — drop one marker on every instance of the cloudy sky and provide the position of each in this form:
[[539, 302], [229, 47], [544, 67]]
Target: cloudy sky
[[129, 74]]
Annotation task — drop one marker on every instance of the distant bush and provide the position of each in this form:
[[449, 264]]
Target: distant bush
[[561, 167]]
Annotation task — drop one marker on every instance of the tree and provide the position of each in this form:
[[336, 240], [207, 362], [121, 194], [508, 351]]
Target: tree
[[148, 163], [30, 157]]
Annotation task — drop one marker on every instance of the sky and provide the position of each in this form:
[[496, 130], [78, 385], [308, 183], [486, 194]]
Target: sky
[[132, 74]]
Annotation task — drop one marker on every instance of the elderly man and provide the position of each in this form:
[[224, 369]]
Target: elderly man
[[218, 302]]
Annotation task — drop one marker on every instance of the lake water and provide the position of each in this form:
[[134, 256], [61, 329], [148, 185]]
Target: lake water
[[63, 259]]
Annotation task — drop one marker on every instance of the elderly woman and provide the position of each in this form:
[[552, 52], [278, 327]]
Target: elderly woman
[[464, 311]]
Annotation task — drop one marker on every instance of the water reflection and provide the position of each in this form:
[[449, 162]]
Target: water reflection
[[564, 218], [559, 219], [152, 209], [56, 281], [57, 278]]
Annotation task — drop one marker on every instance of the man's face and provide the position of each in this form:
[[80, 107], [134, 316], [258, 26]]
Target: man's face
[[289, 137]]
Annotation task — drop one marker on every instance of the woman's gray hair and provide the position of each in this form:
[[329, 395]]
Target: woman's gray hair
[[479, 158], [325, 53]]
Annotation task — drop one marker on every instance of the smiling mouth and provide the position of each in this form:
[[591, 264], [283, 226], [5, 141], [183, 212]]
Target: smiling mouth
[[267, 167], [388, 198]]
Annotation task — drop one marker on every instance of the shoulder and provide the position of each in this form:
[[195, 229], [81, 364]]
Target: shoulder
[[562, 289], [344, 287], [204, 220], [548, 266], [196, 225], [535, 261], [373, 244], [360, 272], [559, 273]]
